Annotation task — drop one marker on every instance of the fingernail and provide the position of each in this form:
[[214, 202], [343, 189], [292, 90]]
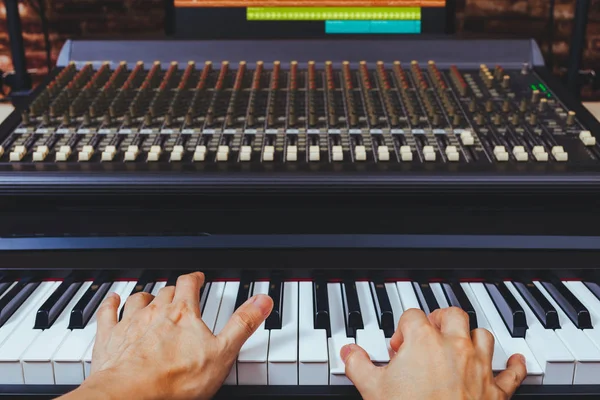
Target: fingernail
[[264, 303], [345, 352], [111, 295], [522, 358]]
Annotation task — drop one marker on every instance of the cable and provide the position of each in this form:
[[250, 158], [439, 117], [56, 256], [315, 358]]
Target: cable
[[40, 9]]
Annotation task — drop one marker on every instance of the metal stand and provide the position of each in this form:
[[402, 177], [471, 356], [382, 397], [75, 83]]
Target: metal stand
[[577, 45], [21, 80]]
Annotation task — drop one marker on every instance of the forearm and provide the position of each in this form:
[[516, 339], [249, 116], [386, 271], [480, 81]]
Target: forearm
[[109, 386]]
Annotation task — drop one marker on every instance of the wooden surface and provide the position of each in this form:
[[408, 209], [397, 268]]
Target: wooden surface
[[5, 110], [308, 3]]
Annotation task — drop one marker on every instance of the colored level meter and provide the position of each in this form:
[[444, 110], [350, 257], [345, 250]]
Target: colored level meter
[[333, 13]]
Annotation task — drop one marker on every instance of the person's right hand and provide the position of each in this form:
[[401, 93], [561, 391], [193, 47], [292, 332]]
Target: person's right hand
[[436, 358]]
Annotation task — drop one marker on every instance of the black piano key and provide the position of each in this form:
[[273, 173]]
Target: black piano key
[[539, 304], [172, 279], [144, 285], [592, 286], [56, 303], [321, 306], [243, 292], [15, 297], [457, 297], [385, 315], [427, 296], [576, 311], [509, 308], [204, 291], [352, 307], [274, 320], [87, 305]]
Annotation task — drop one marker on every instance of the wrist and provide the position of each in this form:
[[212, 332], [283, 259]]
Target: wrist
[[113, 385]]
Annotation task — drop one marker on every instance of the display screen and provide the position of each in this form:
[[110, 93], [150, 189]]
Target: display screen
[[214, 19]]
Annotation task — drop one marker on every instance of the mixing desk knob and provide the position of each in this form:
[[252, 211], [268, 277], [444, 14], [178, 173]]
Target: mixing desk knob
[[539, 152], [543, 105], [360, 153], [132, 153], [64, 153], [86, 153], [222, 153], [520, 153], [587, 138], [109, 153], [560, 154], [535, 96], [571, 118], [452, 153], [383, 153], [314, 153], [501, 153], [406, 153], [18, 153], [337, 154], [200, 153], [245, 153], [292, 153], [269, 153], [429, 153], [506, 82], [155, 152], [177, 153]]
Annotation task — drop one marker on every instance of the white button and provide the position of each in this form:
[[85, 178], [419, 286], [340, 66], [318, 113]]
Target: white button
[[589, 141], [557, 149], [176, 155], [453, 157], [38, 156], [292, 156], [336, 149], [130, 156], [314, 149], [562, 157], [269, 149], [110, 149], [108, 156], [62, 156], [428, 149], [84, 155], [468, 141], [246, 149], [178, 149], [385, 156], [292, 149], [538, 149], [542, 157], [405, 149], [268, 157], [245, 156], [406, 156], [502, 157], [223, 149], [522, 157], [222, 155], [314, 156], [156, 149], [153, 156], [584, 134], [19, 149], [518, 149], [337, 156], [451, 149], [383, 149], [16, 156], [430, 156], [360, 149], [358, 156], [44, 149], [86, 148], [65, 149], [200, 149], [499, 149]]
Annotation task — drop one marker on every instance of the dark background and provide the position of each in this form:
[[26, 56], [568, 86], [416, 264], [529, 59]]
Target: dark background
[[146, 18]]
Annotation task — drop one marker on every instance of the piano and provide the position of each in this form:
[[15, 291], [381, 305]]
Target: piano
[[342, 247]]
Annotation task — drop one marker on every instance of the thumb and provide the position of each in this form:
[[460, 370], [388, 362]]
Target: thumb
[[244, 322], [359, 369]]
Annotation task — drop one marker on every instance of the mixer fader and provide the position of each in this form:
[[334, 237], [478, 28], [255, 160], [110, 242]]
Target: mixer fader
[[302, 112]]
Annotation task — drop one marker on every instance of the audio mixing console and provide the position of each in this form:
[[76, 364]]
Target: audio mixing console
[[309, 112]]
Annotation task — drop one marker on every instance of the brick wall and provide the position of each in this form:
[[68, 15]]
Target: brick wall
[[118, 18]]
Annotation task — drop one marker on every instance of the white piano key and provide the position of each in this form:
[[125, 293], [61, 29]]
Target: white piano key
[[252, 360], [26, 309], [87, 358], [371, 338], [397, 310], [11, 372], [438, 293], [556, 360], [589, 300], [510, 344], [408, 295], [37, 365], [338, 339], [587, 355], [313, 368], [159, 285], [213, 303], [225, 312], [68, 359], [283, 343], [499, 358]]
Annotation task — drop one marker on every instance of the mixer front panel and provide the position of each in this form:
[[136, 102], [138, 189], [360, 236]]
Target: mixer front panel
[[397, 115]]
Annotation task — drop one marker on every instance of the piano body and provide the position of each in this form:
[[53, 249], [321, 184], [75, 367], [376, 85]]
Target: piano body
[[303, 189]]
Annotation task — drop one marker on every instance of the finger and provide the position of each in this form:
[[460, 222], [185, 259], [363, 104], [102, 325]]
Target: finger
[[451, 321], [244, 323], [410, 321], [164, 296], [360, 370], [188, 288], [135, 303], [107, 316], [483, 341], [511, 378]]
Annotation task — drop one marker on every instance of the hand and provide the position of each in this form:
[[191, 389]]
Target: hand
[[436, 358], [162, 349]]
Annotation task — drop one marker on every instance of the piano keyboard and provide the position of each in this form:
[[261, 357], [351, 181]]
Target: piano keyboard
[[47, 327]]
